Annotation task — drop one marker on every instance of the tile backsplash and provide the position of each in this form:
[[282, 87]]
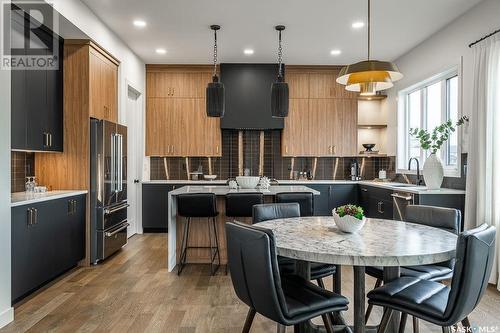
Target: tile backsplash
[[22, 166], [275, 166]]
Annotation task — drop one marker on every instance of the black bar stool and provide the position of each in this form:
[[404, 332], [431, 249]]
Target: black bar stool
[[241, 204], [304, 199], [202, 205]]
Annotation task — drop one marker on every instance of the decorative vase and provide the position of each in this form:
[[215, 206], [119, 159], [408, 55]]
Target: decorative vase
[[433, 172], [348, 223]]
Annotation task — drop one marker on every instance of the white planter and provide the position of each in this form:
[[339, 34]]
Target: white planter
[[433, 172], [348, 223]]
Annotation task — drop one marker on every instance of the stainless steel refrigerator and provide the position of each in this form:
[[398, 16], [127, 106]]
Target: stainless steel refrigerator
[[108, 188]]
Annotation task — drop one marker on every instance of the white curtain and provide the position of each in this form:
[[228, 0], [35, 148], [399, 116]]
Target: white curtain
[[483, 176]]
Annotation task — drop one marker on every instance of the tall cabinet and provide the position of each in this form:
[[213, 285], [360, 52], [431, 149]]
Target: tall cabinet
[[322, 120], [176, 120], [90, 90]]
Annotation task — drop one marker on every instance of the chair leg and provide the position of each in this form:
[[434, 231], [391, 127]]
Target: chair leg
[[416, 325], [445, 329], [280, 328], [369, 309], [385, 321], [184, 244], [216, 240], [466, 323], [327, 323], [248, 321], [321, 284], [211, 247], [402, 323]]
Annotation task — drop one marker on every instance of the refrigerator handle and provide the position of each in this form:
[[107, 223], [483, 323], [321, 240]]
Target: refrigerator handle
[[119, 176], [113, 162]]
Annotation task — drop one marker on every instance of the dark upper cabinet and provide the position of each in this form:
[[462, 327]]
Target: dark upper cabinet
[[37, 96], [48, 238]]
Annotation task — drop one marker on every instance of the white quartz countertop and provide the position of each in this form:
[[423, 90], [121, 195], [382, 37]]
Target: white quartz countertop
[[25, 198], [223, 190], [402, 187]]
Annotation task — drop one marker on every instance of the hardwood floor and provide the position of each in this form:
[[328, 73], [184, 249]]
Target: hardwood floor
[[133, 292]]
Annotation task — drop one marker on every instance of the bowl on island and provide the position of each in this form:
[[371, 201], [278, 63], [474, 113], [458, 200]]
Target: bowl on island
[[349, 218], [210, 177], [247, 181]]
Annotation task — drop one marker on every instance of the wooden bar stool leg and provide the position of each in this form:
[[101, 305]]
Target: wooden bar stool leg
[[248, 321]]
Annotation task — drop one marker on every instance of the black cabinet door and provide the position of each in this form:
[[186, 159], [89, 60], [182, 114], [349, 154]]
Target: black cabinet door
[[54, 115], [381, 209], [364, 199], [155, 207], [343, 194], [78, 229], [321, 202]]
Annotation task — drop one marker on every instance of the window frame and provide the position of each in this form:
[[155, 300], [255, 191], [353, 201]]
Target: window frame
[[403, 141]]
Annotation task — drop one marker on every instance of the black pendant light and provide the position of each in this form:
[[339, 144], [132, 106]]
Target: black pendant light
[[215, 89], [279, 89]]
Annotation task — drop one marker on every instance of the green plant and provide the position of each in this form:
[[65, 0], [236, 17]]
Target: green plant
[[439, 135], [351, 210]]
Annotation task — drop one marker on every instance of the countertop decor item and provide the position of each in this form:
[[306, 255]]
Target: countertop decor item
[[433, 168], [233, 185], [264, 183], [349, 218], [369, 76], [247, 181], [215, 89], [210, 177], [279, 89], [368, 146]]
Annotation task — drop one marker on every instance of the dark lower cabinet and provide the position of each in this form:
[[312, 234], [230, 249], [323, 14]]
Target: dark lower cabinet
[[332, 196], [48, 239], [376, 202], [322, 201], [155, 207]]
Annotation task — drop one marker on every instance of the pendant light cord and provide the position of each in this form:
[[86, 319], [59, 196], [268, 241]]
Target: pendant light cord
[[215, 53], [280, 56], [369, 19]]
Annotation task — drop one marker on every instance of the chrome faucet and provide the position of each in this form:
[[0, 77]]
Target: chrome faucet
[[419, 181]]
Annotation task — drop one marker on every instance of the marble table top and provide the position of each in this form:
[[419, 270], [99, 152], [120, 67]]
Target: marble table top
[[379, 243], [223, 190]]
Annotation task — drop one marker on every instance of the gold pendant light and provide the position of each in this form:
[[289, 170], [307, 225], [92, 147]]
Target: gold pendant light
[[369, 76]]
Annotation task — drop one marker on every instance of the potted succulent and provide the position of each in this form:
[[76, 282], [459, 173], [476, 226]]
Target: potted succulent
[[433, 168], [349, 218]]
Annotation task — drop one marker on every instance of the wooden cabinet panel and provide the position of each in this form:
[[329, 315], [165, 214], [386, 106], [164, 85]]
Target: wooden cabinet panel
[[295, 139], [103, 87], [298, 85], [158, 125], [177, 84], [348, 120]]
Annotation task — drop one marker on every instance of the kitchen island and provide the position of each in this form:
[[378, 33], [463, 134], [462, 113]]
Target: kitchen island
[[198, 234]]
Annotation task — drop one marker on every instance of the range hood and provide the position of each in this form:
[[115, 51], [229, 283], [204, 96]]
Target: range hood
[[248, 96]]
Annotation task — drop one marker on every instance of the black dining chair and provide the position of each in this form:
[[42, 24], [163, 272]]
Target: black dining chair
[[447, 219], [266, 212], [304, 199], [436, 302], [287, 300]]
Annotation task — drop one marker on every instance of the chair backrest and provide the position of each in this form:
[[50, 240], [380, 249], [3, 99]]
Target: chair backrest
[[474, 261], [304, 199], [241, 204], [254, 269], [197, 205], [444, 218], [266, 212], [439, 217]]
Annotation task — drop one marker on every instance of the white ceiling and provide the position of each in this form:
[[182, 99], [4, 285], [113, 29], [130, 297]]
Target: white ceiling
[[313, 28]]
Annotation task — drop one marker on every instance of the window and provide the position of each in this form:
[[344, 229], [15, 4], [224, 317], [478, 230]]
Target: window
[[427, 105]]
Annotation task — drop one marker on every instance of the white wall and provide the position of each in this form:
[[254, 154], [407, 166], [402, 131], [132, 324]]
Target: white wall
[[440, 52], [6, 311], [132, 68]]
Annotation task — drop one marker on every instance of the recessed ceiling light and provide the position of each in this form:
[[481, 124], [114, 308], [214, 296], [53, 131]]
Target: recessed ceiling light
[[161, 51], [248, 51], [140, 23], [335, 52], [358, 24]]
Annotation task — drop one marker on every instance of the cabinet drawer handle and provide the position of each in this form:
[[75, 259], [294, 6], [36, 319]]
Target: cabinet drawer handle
[[30, 216], [217, 149], [109, 234], [35, 216], [364, 190], [333, 149], [380, 207], [399, 196], [50, 139]]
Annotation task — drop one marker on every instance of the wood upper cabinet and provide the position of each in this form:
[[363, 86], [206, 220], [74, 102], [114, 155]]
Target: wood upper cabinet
[[176, 120], [103, 87], [298, 84], [322, 119]]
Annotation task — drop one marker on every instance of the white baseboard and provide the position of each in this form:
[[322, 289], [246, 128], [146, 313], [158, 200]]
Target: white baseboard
[[6, 316]]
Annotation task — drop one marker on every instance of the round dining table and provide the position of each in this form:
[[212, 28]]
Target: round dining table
[[385, 243]]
